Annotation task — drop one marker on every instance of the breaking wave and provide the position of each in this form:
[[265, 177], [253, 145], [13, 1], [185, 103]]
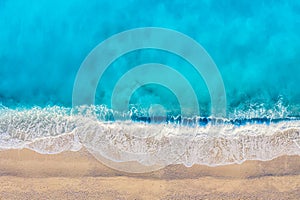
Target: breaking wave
[[52, 130]]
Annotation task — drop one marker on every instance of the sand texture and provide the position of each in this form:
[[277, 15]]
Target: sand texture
[[25, 174]]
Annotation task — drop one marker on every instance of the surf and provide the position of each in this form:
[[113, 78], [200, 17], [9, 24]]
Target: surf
[[188, 141]]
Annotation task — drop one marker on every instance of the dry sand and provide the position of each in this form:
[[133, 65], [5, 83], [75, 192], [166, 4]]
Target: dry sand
[[25, 174]]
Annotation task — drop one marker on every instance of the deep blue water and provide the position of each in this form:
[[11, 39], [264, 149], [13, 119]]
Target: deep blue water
[[255, 45]]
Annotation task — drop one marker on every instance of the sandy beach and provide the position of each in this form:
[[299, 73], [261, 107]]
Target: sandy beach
[[25, 174]]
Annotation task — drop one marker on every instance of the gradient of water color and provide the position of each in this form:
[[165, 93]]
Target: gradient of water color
[[255, 45]]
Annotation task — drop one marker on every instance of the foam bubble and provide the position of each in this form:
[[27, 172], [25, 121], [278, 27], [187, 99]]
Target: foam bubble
[[53, 130]]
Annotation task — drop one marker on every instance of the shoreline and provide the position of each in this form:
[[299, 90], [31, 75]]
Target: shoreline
[[25, 174], [28, 163]]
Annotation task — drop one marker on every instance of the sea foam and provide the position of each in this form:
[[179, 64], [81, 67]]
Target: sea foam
[[52, 130]]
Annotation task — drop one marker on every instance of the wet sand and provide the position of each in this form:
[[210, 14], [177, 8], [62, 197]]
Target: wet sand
[[25, 174]]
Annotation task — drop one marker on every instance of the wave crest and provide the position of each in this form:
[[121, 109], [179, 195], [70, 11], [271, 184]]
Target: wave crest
[[54, 129]]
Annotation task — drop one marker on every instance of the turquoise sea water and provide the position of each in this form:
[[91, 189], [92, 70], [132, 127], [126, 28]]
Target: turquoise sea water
[[254, 44]]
